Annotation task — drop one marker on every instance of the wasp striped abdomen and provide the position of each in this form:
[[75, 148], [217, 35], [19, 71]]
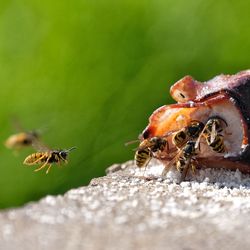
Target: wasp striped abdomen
[[217, 144], [142, 157], [212, 134], [146, 149], [36, 158], [189, 132]]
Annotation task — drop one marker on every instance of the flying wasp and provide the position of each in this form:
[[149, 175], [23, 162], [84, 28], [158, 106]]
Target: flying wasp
[[47, 158], [212, 134], [22, 140], [183, 159]]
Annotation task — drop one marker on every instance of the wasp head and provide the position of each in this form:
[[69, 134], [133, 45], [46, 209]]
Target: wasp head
[[64, 153], [158, 143]]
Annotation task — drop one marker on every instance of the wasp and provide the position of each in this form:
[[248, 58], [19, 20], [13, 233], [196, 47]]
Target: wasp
[[190, 132], [21, 140], [183, 159], [212, 134], [47, 158], [147, 148]]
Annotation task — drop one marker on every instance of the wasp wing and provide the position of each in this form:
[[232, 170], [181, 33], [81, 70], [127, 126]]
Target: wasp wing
[[213, 133], [169, 133], [16, 124], [199, 138], [40, 146], [171, 163]]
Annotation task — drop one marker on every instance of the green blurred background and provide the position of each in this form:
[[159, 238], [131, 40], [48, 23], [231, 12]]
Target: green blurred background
[[92, 72]]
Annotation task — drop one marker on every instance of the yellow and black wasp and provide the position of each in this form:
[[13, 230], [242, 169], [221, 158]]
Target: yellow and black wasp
[[147, 148], [212, 132], [22, 140], [190, 132], [183, 159], [47, 158]]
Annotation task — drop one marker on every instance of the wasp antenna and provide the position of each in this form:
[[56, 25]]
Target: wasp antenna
[[70, 149], [131, 142], [140, 137], [224, 121], [219, 118]]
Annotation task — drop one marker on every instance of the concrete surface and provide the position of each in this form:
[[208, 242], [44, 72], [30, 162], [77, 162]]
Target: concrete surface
[[124, 211]]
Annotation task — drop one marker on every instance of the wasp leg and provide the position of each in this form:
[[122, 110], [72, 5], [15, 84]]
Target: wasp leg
[[43, 166], [194, 163], [48, 168], [61, 158], [199, 146], [184, 172], [166, 170], [179, 168], [167, 144], [193, 167], [145, 169]]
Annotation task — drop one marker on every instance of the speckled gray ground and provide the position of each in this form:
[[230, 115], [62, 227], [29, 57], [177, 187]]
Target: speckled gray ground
[[122, 211]]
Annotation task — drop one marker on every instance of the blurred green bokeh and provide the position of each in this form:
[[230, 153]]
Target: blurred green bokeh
[[91, 73]]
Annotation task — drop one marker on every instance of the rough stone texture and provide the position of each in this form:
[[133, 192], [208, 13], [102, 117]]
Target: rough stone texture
[[124, 211]]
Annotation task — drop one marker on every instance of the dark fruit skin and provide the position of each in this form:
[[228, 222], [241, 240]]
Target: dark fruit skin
[[188, 89]]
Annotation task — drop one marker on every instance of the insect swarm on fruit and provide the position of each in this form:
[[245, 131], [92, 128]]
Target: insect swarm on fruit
[[222, 105]]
